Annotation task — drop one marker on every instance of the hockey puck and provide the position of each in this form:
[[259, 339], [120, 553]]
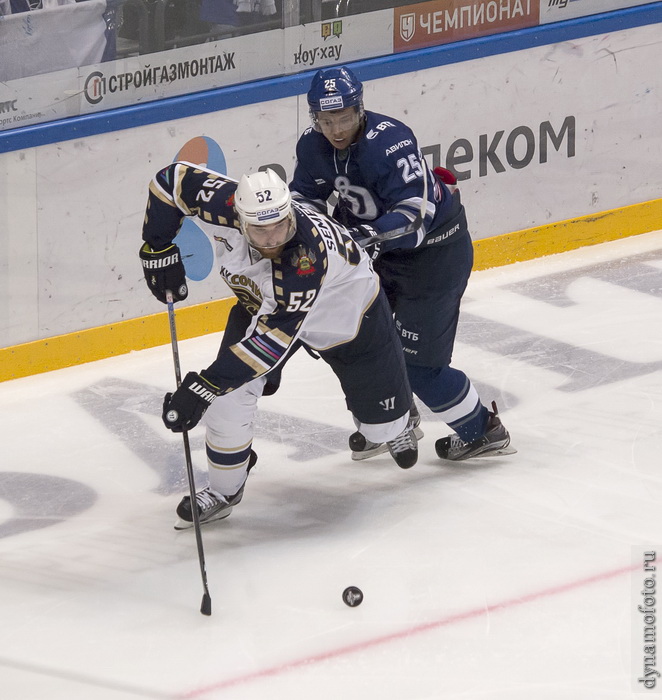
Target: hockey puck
[[352, 596]]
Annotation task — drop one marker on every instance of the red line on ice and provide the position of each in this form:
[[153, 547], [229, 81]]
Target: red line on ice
[[403, 634]]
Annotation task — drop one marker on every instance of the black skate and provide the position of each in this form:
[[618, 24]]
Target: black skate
[[211, 505], [364, 449], [495, 442], [404, 449]]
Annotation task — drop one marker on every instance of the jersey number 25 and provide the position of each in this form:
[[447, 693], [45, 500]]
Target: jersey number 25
[[411, 167]]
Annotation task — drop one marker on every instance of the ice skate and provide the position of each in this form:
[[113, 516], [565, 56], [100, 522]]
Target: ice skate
[[404, 449], [495, 442], [364, 449], [211, 505]]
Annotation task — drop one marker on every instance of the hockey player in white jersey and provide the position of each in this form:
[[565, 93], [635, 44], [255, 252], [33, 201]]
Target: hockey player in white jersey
[[300, 279]]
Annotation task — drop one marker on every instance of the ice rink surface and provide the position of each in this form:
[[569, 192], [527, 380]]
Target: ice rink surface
[[503, 578]]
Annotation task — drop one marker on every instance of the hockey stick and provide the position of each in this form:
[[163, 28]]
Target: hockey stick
[[205, 607], [395, 233], [407, 228]]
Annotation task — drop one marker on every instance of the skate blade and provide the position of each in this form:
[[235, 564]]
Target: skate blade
[[508, 450], [186, 525], [367, 454], [382, 449], [501, 452]]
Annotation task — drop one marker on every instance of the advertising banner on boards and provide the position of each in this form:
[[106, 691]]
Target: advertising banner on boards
[[39, 98], [585, 140], [444, 21]]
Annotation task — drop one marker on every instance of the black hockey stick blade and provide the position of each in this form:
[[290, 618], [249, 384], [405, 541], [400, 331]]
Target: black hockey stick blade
[[205, 608]]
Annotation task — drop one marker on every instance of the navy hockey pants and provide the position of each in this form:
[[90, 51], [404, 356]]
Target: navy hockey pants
[[371, 367], [424, 287]]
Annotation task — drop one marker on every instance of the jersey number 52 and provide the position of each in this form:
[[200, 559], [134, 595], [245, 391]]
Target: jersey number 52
[[300, 303]]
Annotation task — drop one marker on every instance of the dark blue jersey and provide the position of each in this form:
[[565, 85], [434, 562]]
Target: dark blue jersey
[[382, 179]]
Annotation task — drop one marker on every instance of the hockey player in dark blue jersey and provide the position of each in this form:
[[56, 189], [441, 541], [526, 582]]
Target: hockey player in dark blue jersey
[[300, 280], [412, 222]]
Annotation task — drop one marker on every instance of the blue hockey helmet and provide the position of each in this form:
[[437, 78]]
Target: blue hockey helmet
[[335, 88]]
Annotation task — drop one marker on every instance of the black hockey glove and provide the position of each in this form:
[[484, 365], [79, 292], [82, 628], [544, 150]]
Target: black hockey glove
[[363, 234], [164, 270], [184, 409]]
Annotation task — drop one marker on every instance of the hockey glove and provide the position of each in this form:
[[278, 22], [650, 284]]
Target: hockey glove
[[164, 270], [363, 235], [184, 409], [447, 177]]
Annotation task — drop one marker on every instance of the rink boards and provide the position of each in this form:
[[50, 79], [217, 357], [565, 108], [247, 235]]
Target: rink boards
[[556, 146]]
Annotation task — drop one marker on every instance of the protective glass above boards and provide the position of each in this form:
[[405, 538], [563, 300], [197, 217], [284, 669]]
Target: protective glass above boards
[[62, 58]]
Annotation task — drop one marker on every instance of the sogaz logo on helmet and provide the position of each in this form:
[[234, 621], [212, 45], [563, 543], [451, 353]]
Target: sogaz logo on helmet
[[327, 103], [267, 214]]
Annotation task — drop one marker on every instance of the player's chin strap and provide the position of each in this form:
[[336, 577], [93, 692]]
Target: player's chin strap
[[411, 227]]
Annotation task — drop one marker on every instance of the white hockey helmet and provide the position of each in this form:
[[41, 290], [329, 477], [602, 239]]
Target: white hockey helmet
[[261, 200]]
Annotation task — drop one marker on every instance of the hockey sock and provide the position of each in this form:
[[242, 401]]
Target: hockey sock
[[228, 468], [450, 393]]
